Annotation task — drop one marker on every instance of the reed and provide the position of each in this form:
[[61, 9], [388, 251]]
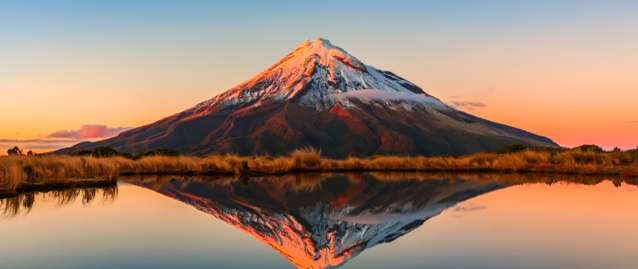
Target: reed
[[19, 171]]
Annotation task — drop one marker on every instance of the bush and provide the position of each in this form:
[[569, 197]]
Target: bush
[[15, 151], [589, 148], [306, 158]]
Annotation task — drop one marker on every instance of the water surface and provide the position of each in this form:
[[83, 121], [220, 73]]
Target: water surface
[[324, 221]]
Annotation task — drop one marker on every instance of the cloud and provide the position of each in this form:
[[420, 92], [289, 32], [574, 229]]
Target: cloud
[[33, 146], [89, 131], [62, 139], [470, 207], [37, 141], [633, 122], [467, 104]]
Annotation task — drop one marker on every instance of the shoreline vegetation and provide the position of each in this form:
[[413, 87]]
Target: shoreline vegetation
[[102, 167]]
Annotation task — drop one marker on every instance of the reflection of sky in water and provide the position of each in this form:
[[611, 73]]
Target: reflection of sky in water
[[526, 226], [140, 229]]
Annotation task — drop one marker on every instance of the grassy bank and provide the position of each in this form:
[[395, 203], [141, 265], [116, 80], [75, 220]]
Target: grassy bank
[[21, 171]]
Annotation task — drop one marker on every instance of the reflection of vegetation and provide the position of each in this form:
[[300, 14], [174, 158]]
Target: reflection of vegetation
[[17, 171], [296, 214], [310, 181], [24, 202]]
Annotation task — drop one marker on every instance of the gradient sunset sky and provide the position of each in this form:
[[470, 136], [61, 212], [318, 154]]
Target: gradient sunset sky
[[76, 70]]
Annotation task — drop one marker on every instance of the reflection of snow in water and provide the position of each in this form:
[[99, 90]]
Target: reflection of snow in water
[[327, 225]]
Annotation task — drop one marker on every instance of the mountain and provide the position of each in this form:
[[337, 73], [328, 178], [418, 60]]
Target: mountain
[[324, 222], [319, 95]]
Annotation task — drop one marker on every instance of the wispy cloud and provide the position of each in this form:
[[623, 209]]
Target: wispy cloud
[[37, 141], [633, 122], [89, 131], [467, 104], [64, 138], [34, 146], [470, 207]]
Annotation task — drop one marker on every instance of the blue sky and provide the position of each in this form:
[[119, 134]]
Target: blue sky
[[538, 65]]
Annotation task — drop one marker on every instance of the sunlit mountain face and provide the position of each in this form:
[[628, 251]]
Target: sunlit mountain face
[[323, 222]]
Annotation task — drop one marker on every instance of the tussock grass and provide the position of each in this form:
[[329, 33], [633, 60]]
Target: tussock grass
[[16, 171]]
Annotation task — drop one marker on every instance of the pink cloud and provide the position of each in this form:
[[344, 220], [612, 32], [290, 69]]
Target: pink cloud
[[89, 131]]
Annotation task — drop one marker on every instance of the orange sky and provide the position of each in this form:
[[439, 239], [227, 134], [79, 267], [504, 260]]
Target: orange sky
[[559, 70]]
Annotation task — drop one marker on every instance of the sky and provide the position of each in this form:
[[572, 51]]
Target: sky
[[85, 70]]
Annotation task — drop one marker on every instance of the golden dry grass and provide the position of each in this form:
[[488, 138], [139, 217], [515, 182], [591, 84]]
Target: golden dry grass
[[18, 170]]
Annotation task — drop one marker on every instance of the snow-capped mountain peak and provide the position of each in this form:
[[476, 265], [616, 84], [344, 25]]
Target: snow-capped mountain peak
[[317, 74], [321, 96]]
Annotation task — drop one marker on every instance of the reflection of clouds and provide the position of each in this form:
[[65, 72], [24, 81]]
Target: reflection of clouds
[[627, 187]]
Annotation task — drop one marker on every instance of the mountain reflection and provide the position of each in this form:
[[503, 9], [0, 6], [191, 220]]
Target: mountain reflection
[[323, 222]]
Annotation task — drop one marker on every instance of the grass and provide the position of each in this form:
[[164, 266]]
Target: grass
[[18, 172]]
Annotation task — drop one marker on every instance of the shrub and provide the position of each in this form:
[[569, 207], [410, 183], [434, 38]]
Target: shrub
[[589, 148], [18, 170], [15, 151], [306, 158]]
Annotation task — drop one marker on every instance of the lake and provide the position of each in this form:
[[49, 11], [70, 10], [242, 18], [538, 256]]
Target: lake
[[327, 221]]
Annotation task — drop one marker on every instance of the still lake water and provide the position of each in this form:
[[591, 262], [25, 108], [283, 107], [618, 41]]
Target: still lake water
[[325, 221]]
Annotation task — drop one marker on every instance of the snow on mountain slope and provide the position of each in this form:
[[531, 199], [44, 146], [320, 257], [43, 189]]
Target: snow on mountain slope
[[325, 222], [316, 74]]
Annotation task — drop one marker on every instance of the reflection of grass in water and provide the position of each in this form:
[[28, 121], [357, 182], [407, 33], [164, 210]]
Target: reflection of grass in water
[[311, 181], [16, 172], [22, 203]]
